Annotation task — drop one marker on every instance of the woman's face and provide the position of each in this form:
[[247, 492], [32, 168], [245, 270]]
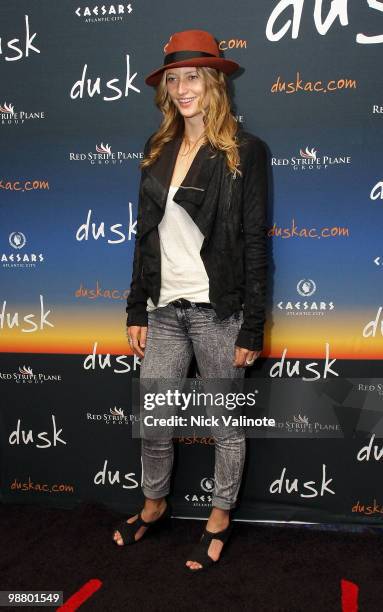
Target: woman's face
[[185, 87]]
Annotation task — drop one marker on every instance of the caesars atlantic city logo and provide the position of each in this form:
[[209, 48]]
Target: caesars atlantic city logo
[[11, 117], [103, 12], [25, 375], [202, 499], [20, 258], [308, 160], [301, 424], [115, 416], [104, 155], [306, 287]]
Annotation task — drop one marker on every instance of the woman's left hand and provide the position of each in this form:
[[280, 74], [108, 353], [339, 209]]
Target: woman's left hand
[[244, 357]]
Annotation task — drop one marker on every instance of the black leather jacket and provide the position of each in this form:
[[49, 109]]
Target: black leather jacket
[[230, 213]]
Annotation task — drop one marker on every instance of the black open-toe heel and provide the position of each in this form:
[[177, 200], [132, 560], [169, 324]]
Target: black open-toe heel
[[129, 530], [199, 552]]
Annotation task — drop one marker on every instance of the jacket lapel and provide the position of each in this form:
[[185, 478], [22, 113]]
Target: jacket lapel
[[159, 174], [192, 192]]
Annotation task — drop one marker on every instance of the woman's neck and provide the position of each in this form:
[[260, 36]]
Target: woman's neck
[[194, 129]]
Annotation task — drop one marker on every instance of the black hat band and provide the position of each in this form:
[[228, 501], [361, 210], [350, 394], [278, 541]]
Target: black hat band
[[179, 56]]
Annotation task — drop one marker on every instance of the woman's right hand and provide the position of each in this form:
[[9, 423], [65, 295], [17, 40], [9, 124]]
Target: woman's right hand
[[137, 339]]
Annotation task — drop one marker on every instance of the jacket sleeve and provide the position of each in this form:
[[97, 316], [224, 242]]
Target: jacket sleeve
[[254, 224], [137, 298]]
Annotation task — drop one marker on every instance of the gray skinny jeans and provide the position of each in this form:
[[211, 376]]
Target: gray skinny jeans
[[174, 334]]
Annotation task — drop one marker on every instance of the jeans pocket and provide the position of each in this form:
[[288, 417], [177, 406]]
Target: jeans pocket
[[211, 315], [236, 317]]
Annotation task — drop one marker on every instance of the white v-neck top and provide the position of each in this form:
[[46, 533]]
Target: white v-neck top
[[183, 273]]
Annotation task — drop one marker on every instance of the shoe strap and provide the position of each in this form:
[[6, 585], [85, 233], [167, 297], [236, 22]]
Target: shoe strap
[[199, 554], [223, 535], [139, 522], [128, 530], [200, 551]]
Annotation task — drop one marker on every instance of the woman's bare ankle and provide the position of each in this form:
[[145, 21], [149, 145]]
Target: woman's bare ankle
[[154, 507]]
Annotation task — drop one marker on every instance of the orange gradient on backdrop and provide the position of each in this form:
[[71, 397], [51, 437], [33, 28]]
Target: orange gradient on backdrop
[[305, 336], [76, 330]]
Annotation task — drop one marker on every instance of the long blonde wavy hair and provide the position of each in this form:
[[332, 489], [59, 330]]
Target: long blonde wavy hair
[[220, 125]]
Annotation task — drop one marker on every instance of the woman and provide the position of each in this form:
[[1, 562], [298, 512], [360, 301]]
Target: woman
[[199, 270]]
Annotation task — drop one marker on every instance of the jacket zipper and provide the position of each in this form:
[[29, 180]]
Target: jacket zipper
[[190, 187]]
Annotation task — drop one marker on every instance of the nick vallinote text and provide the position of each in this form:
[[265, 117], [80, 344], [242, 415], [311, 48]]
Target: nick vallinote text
[[208, 421]]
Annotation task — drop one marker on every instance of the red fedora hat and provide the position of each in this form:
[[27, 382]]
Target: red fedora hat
[[191, 48]]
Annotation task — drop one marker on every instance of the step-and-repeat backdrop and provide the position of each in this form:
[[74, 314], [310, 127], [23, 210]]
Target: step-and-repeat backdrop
[[74, 115]]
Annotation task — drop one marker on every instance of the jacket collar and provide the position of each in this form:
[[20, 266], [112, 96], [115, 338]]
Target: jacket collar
[[195, 183]]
